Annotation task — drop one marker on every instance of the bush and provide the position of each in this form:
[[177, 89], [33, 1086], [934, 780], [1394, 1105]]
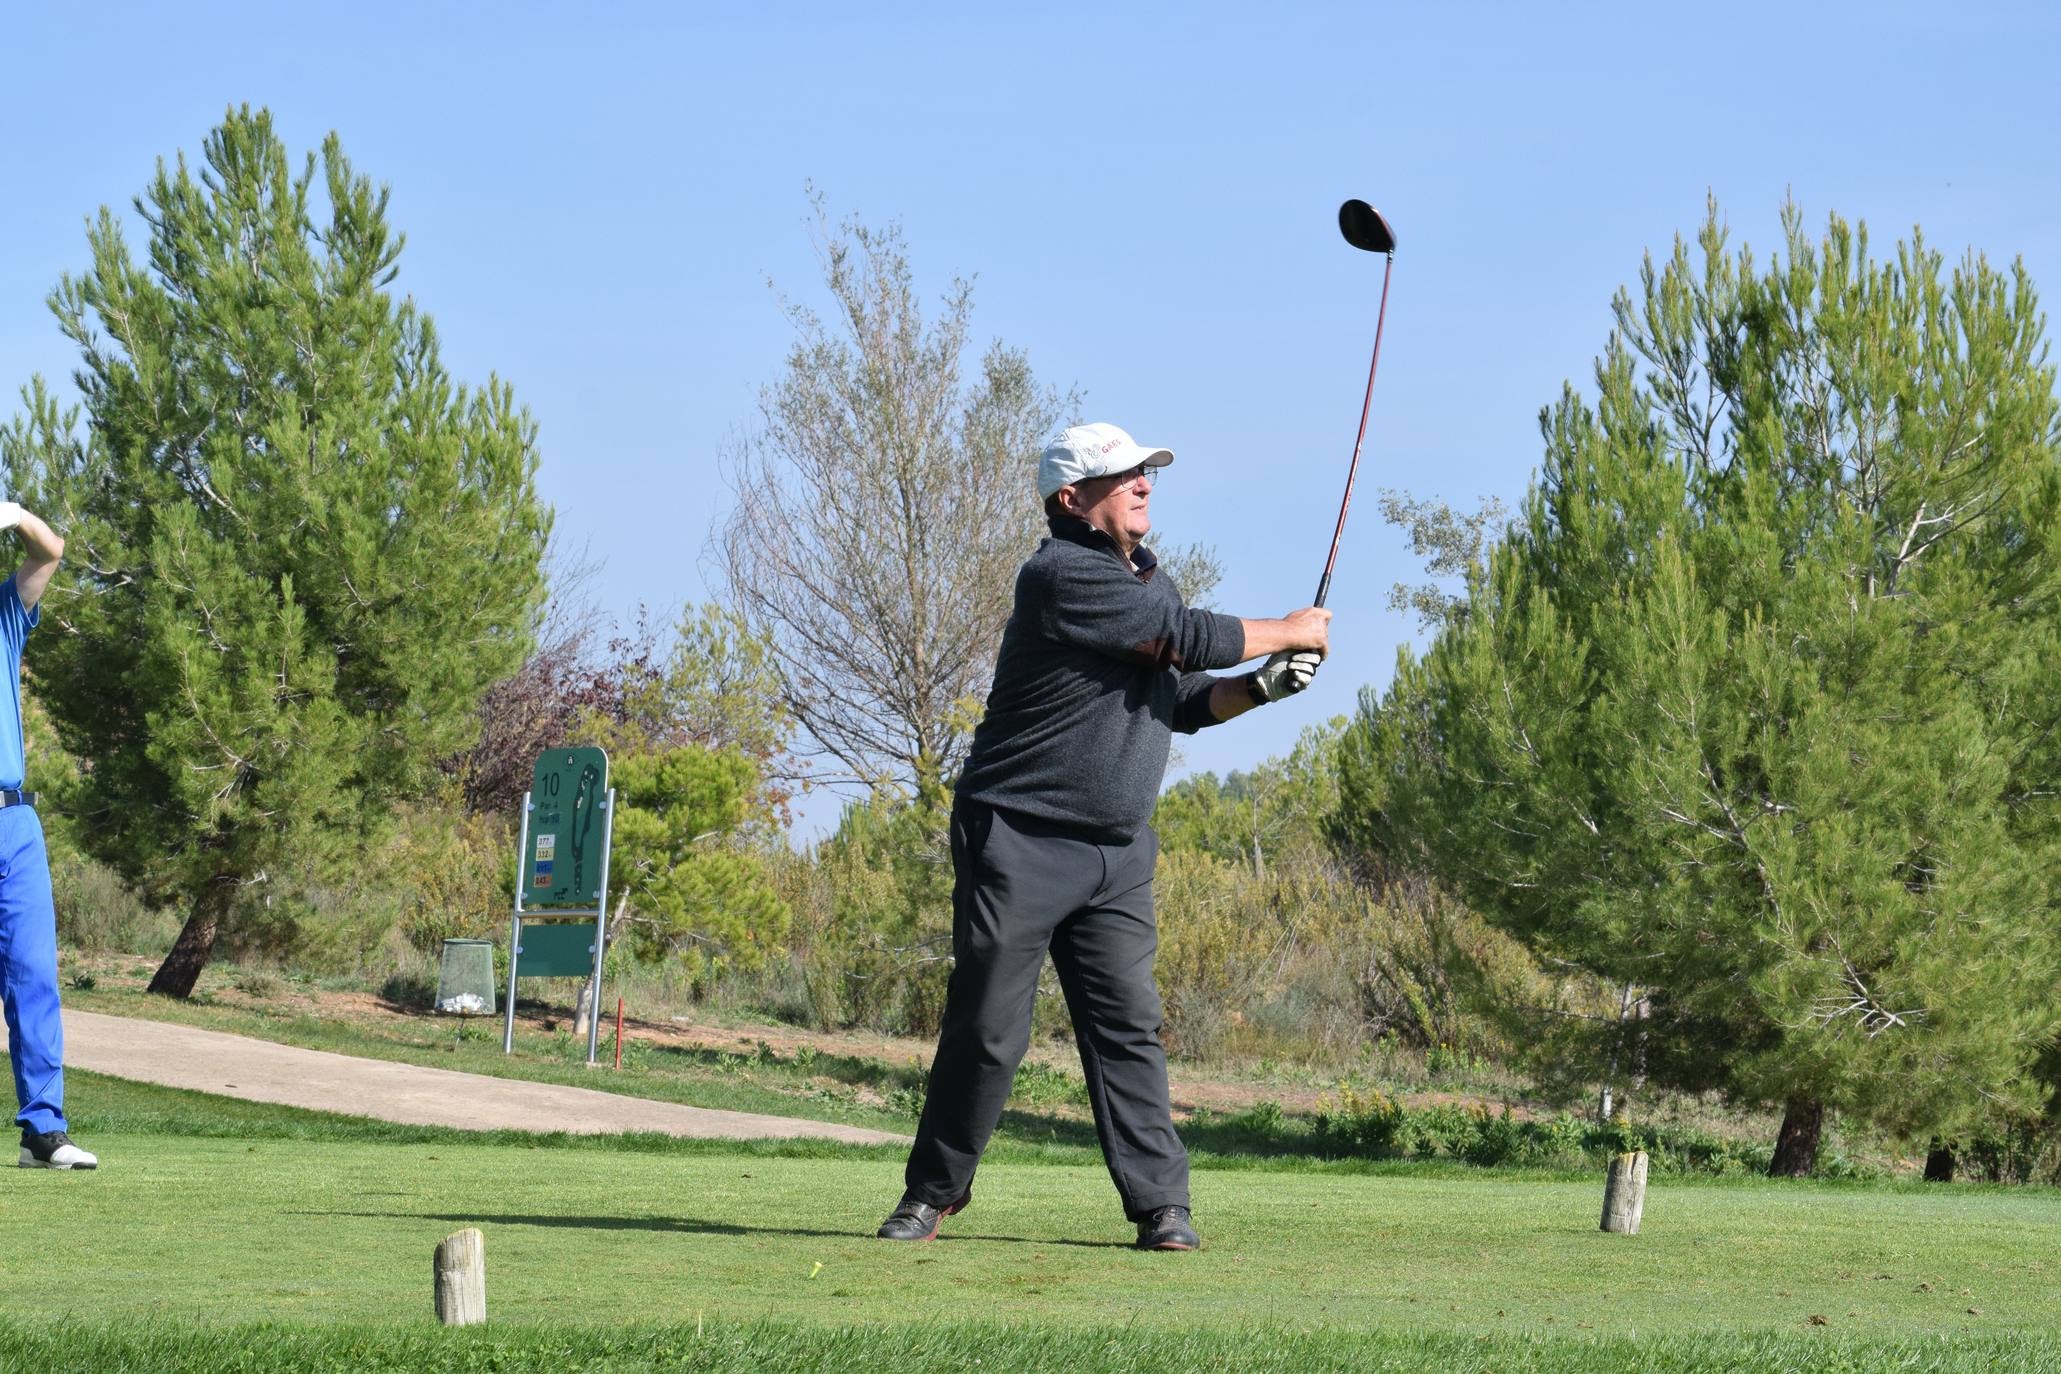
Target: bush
[[261, 983], [1376, 1126], [413, 989], [97, 914], [2025, 1149], [871, 920], [1304, 962], [458, 869], [1040, 1086]]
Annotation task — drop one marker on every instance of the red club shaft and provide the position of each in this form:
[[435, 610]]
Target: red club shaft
[[1352, 471]]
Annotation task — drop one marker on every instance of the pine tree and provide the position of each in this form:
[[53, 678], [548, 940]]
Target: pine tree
[[1753, 711], [686, 880], [297, 551]]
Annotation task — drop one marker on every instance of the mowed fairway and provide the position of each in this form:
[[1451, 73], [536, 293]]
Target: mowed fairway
[[223, 1231]]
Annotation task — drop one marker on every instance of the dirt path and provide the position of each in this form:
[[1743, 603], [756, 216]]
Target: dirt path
[[261, 1071]]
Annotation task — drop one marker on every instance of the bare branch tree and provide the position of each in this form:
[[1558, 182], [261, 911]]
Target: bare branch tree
[[881, 512]]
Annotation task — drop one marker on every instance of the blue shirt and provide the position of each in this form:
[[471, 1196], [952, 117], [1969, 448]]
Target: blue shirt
[[15, 624]]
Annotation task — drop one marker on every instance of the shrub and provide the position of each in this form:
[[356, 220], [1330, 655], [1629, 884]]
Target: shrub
[[97, 913], [414, 989], [1375, 1125], [260, 982], [457, 870]]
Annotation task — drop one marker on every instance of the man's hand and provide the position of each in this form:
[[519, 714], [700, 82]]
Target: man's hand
[[1312, 628], [10, 515], [1285, 674], [1307, 629]]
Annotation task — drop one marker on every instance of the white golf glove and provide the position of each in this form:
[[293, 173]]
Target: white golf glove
[[1285, 674], [10, 515]]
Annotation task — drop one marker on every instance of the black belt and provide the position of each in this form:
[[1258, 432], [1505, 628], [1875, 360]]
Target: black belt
[[17, 799]]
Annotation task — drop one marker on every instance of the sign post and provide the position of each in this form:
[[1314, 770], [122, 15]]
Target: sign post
[[561, 869]]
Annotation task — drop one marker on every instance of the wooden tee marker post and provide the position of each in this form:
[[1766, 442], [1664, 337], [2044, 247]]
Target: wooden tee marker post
[[461, 1278], [1624, 1193]]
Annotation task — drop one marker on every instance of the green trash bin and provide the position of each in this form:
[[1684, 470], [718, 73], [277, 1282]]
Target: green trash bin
[[465, 978]]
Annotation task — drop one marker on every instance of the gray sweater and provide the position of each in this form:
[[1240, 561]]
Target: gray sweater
[[1099, 665]]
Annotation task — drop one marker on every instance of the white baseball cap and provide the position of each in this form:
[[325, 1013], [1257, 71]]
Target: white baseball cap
[[1084, 451]]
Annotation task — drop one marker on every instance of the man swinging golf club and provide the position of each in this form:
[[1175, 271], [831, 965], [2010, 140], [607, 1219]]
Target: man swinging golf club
[[28, 921], [1100, 663]]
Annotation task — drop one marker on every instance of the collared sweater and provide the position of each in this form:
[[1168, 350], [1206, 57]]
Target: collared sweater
[[1100, 663]]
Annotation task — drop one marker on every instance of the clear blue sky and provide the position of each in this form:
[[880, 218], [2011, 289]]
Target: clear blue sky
[[594, 203]]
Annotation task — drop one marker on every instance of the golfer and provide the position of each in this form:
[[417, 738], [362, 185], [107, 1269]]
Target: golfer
[[28, 921], [1099, 664]]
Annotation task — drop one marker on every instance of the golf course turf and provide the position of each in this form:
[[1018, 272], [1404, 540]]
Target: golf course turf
[[320, 1230]]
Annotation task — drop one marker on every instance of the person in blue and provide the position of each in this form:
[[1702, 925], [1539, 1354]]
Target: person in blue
[[28, 920]]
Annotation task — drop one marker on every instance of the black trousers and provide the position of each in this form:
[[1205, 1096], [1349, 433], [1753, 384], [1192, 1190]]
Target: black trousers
[[1021, 887]]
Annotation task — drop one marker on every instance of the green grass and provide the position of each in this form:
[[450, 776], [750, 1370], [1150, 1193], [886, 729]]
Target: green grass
[[1047, 1112], [922, 1348], [311, 1230], [101, 1105], [212, 1214]]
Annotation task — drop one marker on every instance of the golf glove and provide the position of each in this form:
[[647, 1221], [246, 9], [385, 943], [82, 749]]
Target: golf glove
[[1285, 674], [10, 515]]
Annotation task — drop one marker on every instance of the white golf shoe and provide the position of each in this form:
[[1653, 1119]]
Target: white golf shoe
[[53, 1150]]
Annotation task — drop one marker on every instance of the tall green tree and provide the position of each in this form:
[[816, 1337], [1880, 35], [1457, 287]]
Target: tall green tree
[[1753, 712], [297, 551]]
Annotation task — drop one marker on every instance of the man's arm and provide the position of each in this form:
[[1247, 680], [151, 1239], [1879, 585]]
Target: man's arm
[[1308, 628], [1203, 700], [1091, 601], [1303, 635], [1231, 696], [45, 547]]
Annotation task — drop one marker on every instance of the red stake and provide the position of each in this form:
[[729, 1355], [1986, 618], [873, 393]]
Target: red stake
[[619, 1032]]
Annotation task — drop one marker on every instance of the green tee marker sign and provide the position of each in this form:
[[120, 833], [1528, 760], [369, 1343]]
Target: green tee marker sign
[[562, 864]]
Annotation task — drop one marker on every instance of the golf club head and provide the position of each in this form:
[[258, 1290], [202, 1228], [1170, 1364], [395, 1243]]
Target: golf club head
[[1364, 228]]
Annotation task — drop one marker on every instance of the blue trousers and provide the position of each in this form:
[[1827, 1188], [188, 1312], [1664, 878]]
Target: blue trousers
[[28, 971]]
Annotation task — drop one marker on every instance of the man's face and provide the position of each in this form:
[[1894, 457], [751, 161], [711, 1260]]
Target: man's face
[[1119, 505]]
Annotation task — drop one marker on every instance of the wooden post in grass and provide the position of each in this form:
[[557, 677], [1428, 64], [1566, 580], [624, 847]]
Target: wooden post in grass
[[1624, 1194], [461, 1271]]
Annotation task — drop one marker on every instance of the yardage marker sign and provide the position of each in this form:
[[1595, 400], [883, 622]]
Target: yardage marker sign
[[561, 864]]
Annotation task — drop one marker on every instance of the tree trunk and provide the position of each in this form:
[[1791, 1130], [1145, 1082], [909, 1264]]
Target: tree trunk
[[1796, 1145], [176, 976], [1605, 1099], [583, 1011], [1939, 1162], [1641, 1013]]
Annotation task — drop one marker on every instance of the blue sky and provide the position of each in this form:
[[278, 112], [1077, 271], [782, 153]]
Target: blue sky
[[595, 203]]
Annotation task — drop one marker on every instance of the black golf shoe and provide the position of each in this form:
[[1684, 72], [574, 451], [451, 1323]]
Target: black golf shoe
[[53, 1150], [1168, 1228], [914, 1220]]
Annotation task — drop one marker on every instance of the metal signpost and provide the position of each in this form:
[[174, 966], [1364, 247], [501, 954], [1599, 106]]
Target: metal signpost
[[561, 869]]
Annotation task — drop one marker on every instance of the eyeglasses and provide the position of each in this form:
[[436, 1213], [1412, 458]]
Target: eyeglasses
[[1144, 475]]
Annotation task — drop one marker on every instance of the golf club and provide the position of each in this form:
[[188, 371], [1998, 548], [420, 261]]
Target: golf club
[[1365, 229]]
